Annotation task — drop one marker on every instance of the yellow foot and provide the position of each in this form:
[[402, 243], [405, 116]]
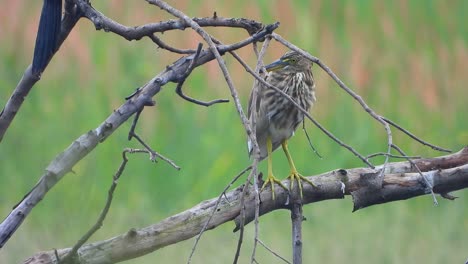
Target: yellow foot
[[295, 176], [272, 180]]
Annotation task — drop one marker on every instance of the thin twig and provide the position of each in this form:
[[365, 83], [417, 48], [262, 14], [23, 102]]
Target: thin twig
[[73, 254], [223, 193], [310, 141], [260, 67], [184, 77], [131, 133], [395, 125], [273, 252], [428, 184], [242, 214], [163, 45], [391, 156]]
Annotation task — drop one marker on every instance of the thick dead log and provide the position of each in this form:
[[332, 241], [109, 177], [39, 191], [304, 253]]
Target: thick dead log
[[401, 181]]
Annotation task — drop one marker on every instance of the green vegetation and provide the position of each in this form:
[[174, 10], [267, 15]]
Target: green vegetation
[[409, 61]]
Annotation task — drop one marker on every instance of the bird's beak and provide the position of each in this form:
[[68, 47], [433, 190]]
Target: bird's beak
[[279, 64]]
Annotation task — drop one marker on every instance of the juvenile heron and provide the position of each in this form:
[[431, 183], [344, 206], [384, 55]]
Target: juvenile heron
[[276, 117]]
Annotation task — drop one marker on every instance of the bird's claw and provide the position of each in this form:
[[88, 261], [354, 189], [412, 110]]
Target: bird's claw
[[295, 176], [272, 180]]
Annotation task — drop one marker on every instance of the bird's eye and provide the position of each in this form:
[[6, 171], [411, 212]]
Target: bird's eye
[[292, 61]]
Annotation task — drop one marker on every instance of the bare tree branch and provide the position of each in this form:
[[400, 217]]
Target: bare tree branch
[[401, 181], [82, 146], [391, 155]]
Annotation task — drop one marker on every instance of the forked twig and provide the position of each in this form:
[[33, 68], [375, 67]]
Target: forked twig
[[154, 154], [184, 77]]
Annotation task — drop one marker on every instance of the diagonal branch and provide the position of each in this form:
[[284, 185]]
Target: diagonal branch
[[401, 181]]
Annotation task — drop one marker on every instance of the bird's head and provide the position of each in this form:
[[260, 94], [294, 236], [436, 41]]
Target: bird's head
[[291, 61]]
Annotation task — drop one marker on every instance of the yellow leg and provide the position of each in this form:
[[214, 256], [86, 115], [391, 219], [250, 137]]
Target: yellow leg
[[294, 175], [271, 179]]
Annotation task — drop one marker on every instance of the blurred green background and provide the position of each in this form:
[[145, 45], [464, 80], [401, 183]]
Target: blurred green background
[[407, 59]]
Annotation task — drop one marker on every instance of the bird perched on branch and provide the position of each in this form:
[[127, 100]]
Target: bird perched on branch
[[277, 117]]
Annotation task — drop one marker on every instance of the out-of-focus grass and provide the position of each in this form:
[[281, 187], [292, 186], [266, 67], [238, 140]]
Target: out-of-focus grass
[[407, 60]]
